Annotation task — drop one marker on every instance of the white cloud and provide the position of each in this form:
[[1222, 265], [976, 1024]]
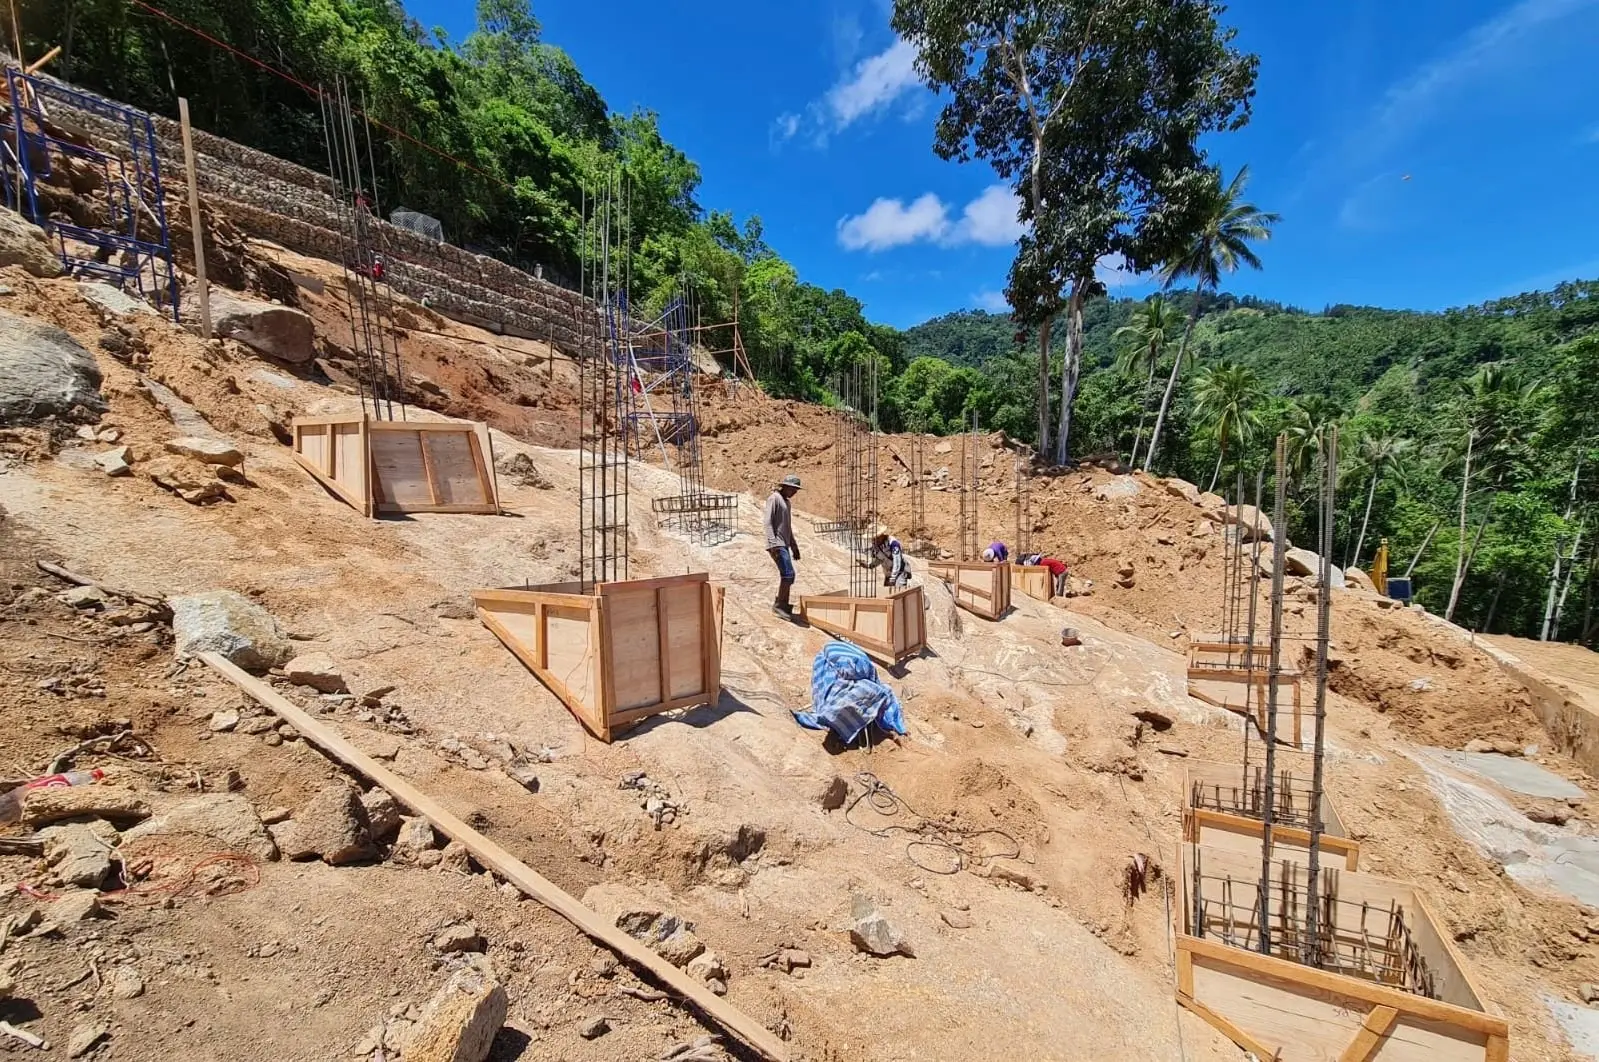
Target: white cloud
[[876, 82], [992, 301], [990, 219], [891, 223], [785, 127]]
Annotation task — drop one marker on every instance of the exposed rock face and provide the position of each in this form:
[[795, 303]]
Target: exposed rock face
[[227, 818], [25, 244], [229, 624], [206, 451], [44, 372], [277, 331]]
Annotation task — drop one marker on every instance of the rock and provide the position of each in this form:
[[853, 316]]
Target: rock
[[57, 803], [84, 597], [415, 838], [668, 935], [223, 721], [1016, 874], [1589, 992], [382, 815], [795, 959], [959, 919], [459, 1024], [74, 906], [1478, 745], [276, 331], [86, 1038], [593, 1027], [708, 967], [1076, 587], [603, 965], [316, 670], [455, 858], [332, 826], [833, 794], [26, 244], [113, 299], [274, 815], [187, 478], [44, 372], [1251, 521], [1357, 579], [1181, 488], [1552, 815], [459, 938], [231, 625], [520, 467], [1304, 562], [1118, 489], [116, 462], [227, 820], [77, 856], [206, 451], [872, 933], [258, 724], [126, 983], [525, 776]]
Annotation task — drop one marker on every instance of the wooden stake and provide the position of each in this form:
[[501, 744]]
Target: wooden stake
[[506, 865], [39, 63], [194, 220]]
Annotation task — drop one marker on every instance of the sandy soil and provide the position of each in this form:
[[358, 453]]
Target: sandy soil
[[1053, 753]]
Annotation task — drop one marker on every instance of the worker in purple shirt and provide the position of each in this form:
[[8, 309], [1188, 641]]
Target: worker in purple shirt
[[996, 553]]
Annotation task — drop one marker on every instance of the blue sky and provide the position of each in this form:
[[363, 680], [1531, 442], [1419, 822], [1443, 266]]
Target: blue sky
[[1423, 153]]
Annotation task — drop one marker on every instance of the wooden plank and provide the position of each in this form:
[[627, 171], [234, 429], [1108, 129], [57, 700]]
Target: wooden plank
[[531, 597], [195, 224], [1229, 1030], [542, 646], [631, 585], [663, 626], [1346, 849], [492, 480], [687, 641], [1497, 1049], [1185, 973], [330, 484], [605, 665], [1372, 1030], [430, 474], [506, 865], [483, 464]]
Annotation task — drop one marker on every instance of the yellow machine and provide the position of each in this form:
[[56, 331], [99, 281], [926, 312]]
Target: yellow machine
[[1379, 569]]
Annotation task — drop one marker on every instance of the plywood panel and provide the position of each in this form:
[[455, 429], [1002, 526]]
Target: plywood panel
[[1033, 580], [571, 658], [875, 623], [683, 613], [635, 649], [455, 478], [349, 459], [401, 476], [313, 439]]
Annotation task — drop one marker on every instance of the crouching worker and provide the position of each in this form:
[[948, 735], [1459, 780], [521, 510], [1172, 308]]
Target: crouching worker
[[888, 554]]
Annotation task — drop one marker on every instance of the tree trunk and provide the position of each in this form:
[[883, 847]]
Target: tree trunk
[[1364, 520], [1069, 372], [1493, 606], [1460, 550], [1171, 385], [1565, 588], [1221, 455], [1043, 386], [1143, 415], [1465, 567], [1554, 576]]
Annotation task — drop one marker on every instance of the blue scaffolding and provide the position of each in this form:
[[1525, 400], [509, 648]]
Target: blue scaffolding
[[134, 241]]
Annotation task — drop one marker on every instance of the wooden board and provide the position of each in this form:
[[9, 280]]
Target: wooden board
[[979, 588], [1281, 1008], [383, 467], [1226, 787], [621, 654], [1033, 580], [497, 859], [1240, 833], [888, 628], [1244, 689]]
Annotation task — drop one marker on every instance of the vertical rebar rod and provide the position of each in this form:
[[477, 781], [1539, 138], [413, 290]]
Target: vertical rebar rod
[[1329, 491], [1273, 669]]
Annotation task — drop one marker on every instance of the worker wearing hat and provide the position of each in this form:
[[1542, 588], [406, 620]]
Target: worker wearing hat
[[779, 523], [887, 553]]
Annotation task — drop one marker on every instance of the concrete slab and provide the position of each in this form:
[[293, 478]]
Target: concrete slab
[[1580, 1024], [1516, 775]]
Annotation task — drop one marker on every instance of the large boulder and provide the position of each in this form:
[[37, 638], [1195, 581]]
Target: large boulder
[[1252, 522], [44, 372], [25, 244], [1305, 563], [43, 806], [1181, 488], [276, 331], [460, 1023], [1357, 579], [206, 451], [1119, 489], [230, 624]]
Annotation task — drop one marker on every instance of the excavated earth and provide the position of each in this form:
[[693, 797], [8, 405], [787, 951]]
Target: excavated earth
[[1054, 768]]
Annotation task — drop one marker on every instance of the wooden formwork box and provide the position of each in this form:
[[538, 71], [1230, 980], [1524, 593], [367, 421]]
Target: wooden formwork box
[[1222, 674], [889, 628], [1033, 580], [620, 654], [1277, 1008], [978, 587], [1223, 817], [385, 467]]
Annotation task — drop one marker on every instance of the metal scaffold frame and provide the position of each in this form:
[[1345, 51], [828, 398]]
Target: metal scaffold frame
[[123, 253]]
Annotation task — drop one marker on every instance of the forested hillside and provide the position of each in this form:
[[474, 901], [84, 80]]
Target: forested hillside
[[1517, 379]]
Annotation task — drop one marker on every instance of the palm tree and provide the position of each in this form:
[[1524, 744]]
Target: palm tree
[[1309, 420], [1140, 345], [1380, 454], [1225, 397], [1219, 245]]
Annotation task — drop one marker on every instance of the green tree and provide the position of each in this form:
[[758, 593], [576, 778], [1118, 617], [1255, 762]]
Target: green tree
[[1219, 244], [1141, 346], [1093, 112], [1225, 397], [1311, 419], [1380, 455]]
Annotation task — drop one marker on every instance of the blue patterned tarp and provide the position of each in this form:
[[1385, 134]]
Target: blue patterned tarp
[[846, 696]]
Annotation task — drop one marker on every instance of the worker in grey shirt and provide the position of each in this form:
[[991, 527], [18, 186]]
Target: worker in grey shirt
[[779, 523]]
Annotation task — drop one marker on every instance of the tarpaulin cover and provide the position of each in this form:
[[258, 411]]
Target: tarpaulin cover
[[846, 697]]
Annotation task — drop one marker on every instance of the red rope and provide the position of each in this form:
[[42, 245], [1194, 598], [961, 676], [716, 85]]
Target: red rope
[[313, 90]]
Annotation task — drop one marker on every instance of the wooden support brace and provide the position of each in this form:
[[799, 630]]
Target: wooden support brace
[[506, 865], [1376, 1026]]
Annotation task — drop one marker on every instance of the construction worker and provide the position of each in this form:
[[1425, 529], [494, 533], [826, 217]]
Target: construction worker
[[779, 523], [887, 553], [996, 553]]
